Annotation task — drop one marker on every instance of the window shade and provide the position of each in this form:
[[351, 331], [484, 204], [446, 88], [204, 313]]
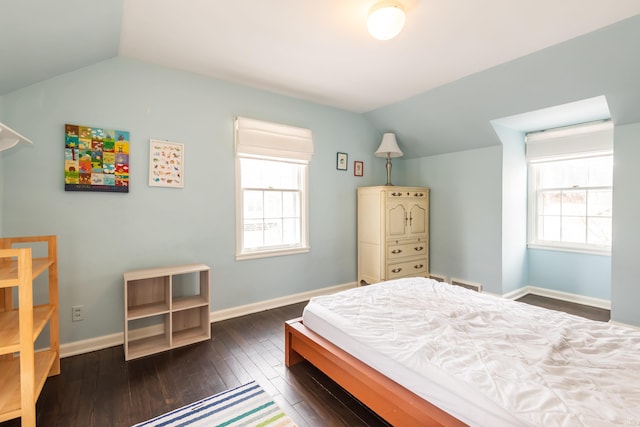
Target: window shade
[[570, 141], [260, 138]]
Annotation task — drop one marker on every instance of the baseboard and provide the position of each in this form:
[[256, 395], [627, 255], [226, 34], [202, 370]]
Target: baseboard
[[518, 293], [243, 310], [112, 340], [563, 296], [92, 344]]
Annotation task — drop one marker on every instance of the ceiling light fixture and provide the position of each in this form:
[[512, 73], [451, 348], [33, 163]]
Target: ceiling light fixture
[[386, 20]]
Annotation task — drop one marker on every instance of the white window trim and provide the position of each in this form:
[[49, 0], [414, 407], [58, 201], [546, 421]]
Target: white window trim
[[304, 217], [564, 247], [282, 143], [532, 223], [572, 142]]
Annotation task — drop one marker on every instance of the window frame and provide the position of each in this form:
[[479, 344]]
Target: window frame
[[263, 252], [533, 218]]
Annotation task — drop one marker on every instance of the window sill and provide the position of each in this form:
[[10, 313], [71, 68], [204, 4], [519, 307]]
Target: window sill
[[272, 253], [573, 249]]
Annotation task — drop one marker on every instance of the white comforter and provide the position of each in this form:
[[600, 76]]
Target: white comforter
[[538, 367]]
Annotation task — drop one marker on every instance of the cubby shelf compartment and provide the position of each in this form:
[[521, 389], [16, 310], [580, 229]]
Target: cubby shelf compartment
[[23, 370], [165, 308]]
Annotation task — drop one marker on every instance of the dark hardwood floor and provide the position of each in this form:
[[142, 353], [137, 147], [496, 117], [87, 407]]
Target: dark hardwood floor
[[593, 313], [101, 389]]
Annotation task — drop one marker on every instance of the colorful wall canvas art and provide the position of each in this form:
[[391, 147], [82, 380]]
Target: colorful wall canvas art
[[166, 164], [96, 159]]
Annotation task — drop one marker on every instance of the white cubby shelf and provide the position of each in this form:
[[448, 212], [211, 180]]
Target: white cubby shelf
[[165, 308]]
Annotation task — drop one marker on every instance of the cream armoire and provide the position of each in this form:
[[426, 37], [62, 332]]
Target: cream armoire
[[393, 233]]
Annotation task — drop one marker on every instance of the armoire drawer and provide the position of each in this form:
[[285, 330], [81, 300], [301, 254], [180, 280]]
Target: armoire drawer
[[407, 268], [404, 250]]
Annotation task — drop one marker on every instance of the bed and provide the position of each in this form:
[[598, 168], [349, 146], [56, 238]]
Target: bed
[[421, 352]]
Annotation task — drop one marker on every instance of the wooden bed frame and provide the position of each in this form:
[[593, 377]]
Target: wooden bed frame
[[388, 399]]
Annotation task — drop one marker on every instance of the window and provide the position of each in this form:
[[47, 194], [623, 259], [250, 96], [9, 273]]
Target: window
[[272, 164], [570, 188]]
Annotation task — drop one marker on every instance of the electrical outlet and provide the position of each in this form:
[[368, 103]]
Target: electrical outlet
[[77, 313]]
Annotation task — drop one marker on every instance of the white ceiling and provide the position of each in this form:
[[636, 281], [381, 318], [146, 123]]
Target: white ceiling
[[317, 50], [320, 49]]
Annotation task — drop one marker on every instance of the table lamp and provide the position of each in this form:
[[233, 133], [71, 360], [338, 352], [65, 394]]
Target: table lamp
[[388, 148]]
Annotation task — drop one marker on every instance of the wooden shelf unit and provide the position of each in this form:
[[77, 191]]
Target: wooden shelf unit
[[23, 370], [165, 308]]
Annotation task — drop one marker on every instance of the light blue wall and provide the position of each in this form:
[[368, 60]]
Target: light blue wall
[[576, 273], [514, 209], [459, 114], [465, 208], [473, 197], [101, 235], [625, 268], [479, 224]]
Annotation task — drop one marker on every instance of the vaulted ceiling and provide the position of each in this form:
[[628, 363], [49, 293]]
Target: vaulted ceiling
[[318, 50]]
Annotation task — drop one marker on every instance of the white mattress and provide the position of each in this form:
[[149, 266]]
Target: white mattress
[[486, 360]]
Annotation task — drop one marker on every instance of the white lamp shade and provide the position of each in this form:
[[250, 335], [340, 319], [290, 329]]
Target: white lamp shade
[[386, 20], [389, 146]]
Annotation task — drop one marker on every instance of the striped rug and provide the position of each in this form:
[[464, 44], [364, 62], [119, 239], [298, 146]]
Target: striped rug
[[247, 405]]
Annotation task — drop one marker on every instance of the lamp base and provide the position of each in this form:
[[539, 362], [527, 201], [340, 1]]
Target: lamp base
[[388, 170]]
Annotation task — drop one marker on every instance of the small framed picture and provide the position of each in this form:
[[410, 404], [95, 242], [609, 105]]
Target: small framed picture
[[342, 161], [358, 168], [166, 164]]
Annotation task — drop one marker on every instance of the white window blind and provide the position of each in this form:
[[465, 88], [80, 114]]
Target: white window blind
[[258, 138], [272, 162], [592, 138], [570, 188]]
